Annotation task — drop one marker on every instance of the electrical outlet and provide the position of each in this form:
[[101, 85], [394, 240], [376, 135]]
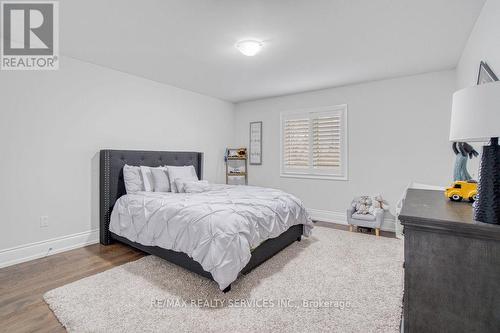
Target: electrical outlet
[[44, 221]]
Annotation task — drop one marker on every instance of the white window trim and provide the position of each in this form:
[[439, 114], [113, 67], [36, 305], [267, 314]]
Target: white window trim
[[345, 145]]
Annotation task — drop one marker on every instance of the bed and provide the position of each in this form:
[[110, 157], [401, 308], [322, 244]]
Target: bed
[[219, 234]]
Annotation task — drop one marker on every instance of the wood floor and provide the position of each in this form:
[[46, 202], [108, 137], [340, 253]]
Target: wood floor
[[345, 227], [22, 308]]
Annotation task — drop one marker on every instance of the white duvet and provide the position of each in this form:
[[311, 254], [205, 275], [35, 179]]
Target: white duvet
[[217, 228]]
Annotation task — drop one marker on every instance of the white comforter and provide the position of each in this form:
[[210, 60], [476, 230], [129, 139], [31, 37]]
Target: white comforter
[[217, 228]]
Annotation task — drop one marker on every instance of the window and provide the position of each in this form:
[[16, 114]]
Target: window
[[314, 143]]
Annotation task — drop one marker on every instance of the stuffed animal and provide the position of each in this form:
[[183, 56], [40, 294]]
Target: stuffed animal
[[362, 204], [379, 202], [367, 205]]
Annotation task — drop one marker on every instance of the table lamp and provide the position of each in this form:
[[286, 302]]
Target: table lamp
[[475, 116]]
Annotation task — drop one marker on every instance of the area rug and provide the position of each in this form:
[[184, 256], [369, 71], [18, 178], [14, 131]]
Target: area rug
[[333, 281]]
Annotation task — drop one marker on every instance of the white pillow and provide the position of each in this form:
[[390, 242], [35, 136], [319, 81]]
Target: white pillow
[[191, 186], [148, 179], [133, 179], [180, 172], [160, 180]]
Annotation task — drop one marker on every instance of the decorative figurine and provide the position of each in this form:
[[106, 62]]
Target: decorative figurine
[[463, 150], [463, 186]]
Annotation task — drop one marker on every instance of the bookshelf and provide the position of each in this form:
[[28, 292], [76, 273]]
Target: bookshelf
[[236, 166]]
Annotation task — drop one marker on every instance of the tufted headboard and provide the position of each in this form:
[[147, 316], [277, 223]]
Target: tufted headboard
[[112, 185]]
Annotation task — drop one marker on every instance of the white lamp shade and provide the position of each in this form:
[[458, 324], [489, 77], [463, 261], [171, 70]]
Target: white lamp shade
[[475, 114]]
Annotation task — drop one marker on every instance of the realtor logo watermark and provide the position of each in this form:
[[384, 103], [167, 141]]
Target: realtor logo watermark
[[30, 35]]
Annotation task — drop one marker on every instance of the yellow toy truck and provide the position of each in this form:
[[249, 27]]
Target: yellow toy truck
[[462, 190]]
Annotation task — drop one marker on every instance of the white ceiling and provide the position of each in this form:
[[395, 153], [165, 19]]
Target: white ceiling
[[309, 44]]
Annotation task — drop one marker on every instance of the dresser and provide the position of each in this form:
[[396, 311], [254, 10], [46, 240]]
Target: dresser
[[452, 266]]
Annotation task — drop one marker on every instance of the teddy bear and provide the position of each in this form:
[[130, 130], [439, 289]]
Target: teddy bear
[[362, 205], [378, 203], [368, 205]]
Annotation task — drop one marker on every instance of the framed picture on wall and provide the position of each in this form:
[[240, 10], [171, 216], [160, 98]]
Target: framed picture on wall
[[256, 143], [485, 74]]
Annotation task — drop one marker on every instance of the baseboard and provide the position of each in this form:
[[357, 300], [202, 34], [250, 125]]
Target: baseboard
[[26, 252], [341, 218]]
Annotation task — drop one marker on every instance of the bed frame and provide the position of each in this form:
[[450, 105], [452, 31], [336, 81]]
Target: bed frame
[[112, 187]]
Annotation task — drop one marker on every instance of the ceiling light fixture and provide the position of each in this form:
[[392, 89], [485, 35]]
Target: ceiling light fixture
[[249, 47]]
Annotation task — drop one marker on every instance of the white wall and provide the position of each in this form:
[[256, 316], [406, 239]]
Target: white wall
[[52, 126], [398, 132], [483, 44]]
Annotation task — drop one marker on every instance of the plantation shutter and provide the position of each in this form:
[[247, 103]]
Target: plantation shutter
[[326, 146], [314, 143], [296, 143]]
